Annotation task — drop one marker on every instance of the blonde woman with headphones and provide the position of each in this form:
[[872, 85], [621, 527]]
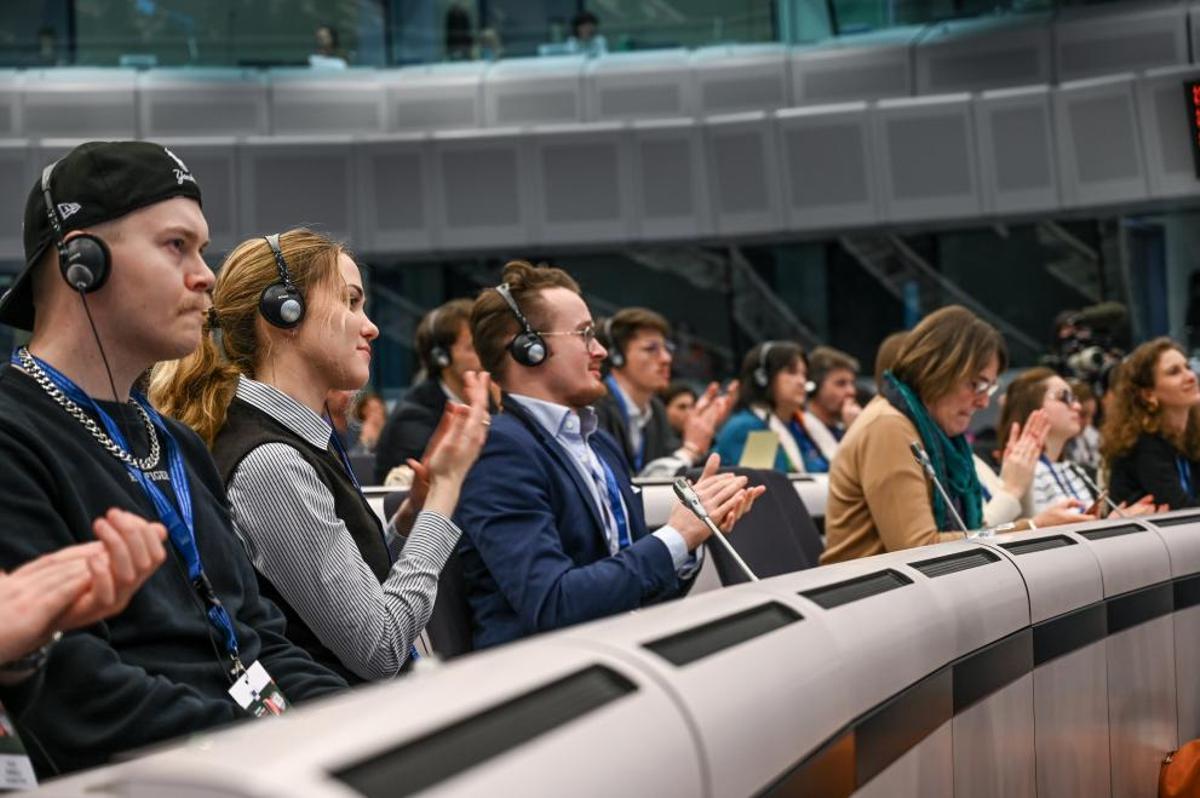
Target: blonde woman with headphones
[[287, 327]]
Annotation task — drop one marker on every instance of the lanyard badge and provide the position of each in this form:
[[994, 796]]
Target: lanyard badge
[[16, 771]]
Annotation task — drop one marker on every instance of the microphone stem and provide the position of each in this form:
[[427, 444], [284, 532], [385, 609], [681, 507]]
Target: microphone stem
[[937, 483], [720, 536]]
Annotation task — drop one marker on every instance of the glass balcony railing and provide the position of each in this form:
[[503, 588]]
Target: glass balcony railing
[[338, 33]]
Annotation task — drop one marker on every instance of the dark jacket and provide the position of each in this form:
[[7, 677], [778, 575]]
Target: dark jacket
[[1153, 467], [410, 427], [246, 428], [659, 440], [155, 671], [534, 552]]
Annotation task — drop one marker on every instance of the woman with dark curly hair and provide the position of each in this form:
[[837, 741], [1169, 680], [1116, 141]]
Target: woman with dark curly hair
[[1150, 440]]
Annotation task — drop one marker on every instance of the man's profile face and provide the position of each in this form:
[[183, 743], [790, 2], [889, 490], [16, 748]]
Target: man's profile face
[[648, 360], [571, 372], [156, 298]]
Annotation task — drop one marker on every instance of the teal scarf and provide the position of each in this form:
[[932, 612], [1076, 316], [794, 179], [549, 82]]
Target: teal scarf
[[952, 459]]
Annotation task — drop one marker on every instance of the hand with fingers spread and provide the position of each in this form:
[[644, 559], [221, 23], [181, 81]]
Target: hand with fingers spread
[[79, 585], [724, 496], [453, 449], [1022, 452], [709, 413]]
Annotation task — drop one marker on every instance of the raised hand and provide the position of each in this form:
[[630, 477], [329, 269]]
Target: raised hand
[[709, 413], [1022, 452], [724, 496], [453, 449]]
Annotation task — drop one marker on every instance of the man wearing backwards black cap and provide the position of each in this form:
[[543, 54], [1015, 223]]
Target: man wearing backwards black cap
[[129, 221]]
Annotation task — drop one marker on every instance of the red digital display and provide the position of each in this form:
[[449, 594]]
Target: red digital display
[[1191, 91]]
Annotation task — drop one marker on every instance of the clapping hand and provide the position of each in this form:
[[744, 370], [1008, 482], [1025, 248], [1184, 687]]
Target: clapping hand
[[79, 585], [453, 449], [1022, 452], [706, 417], [724, 496]]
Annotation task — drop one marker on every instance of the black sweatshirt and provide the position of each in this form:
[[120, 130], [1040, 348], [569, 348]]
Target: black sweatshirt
[[157, 670]]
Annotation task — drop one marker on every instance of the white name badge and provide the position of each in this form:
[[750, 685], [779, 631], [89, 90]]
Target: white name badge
[[256, 692], [16, 771]]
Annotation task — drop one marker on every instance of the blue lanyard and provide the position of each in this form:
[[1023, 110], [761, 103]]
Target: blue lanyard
[[614, 502], [639, 457], [180, 523], [1185, 473], [1066, 487]]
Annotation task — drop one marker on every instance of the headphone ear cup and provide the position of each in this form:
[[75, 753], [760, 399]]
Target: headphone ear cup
[[761, 379], [282, 306], [86, 264], [528, 349], [440, 357], [616, 359]]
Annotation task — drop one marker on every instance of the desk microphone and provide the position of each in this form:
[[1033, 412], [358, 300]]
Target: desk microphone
[[687, 495], [1081, 472], [923, 460]]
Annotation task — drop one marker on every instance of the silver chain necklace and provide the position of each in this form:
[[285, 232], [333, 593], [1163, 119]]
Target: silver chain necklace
[[39, 375]]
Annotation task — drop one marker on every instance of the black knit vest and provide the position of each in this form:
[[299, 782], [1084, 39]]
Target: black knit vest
[[246, 428]]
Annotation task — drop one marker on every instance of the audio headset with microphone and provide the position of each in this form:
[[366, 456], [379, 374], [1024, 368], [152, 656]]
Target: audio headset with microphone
[[762, 377], [281, 303], [438, 354], [762, 374], [616, 358], [84, 260], [527, 348]]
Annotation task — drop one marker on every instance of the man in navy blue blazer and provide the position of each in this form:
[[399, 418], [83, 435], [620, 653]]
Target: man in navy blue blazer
[[553, 533]]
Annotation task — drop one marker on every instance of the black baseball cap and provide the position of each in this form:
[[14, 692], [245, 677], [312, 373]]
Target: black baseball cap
[[93, 183]]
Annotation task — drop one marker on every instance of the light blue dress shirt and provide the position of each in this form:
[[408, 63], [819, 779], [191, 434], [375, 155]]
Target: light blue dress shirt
[[572, 430]]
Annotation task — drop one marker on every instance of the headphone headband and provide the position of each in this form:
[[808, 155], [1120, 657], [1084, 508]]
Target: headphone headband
[[52, 209], [281, 303], [84, 262], [284, 275], [527, 347]]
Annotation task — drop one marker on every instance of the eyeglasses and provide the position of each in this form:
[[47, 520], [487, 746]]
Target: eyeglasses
[[588, 334], [656, 348], [984, 387], [1066, 396]]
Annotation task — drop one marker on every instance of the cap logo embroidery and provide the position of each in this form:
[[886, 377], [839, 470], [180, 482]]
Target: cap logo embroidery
[[182, 173], [68, 209]]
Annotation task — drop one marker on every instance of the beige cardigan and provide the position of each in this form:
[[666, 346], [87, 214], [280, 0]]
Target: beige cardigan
[[879, 498]]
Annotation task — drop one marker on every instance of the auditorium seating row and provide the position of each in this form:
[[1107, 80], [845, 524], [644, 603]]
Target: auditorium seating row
[[1117, 141], [1060, 662], [970, 55]]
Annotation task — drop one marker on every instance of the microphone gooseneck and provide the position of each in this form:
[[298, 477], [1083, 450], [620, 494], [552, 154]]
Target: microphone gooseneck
[[922, 458], [1081, 472], [687, 495]]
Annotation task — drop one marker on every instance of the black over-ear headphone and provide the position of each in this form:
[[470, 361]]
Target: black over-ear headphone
[[527, 348], [437, 353], [281, 303], [616, 358], [84, 260], [762, 376]]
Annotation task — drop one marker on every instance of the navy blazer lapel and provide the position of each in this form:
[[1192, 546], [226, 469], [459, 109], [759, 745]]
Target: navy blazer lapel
[[566, 462]]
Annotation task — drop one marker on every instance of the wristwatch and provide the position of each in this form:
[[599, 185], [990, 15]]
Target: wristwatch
[[33, 661]]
